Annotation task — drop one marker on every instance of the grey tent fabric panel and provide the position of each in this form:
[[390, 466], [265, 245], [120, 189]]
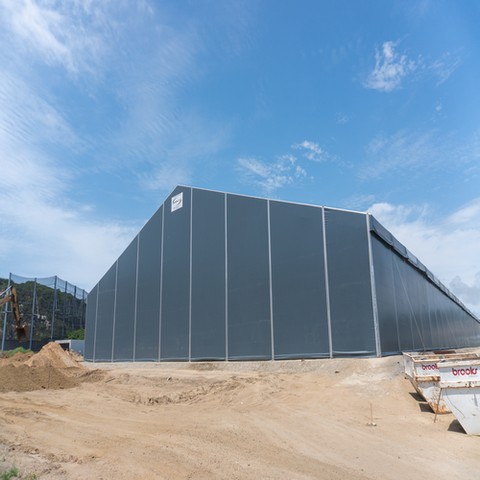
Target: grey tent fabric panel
[[403, 306], [105, 316], [175, 318], [381, 231], [412, 291], [422, 336], [148, 289], [125, 304], [386, 297], [215, 276], [298, 281], [349, 283], [249, 326], [432, 316], [427, 318], [208, 276], [90, 324]]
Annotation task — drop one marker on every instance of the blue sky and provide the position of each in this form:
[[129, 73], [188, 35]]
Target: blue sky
[[106, 105]]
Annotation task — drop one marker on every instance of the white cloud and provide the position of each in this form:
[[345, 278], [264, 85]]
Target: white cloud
[[43, 231], [449, 247], [69, 34], [342, 118], [444, 67], [272, 176], [44, 234], [285, 170], [312, 151], [62, 122], [390, 69], [166, 177], [469, 293], [414, 151]]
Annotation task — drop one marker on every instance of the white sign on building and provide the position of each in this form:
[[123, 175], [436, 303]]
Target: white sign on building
[[177, 201]]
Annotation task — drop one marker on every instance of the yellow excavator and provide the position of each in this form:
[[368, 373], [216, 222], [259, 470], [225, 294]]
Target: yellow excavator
[[10, 295]]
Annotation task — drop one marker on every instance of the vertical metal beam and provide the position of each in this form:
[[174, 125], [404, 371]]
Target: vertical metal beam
[[73, 304], [395, 290], [190, 281], [96, 324], [161, 284], [84, 308], [135, 316], [5, 316], [270, 279], [226, 276], [32, 316], [54, 307], [376, 326], [64, 308], [114, 308], [327, 286]]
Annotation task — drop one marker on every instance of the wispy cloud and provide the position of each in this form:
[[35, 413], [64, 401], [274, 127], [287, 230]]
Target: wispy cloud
[[82, 91], [43, 230], [444, 66], [446, 245], [468, 292], [414, 151], [312, 151], [342, 118], [43, 233], [167, 176], [390, 69], [68, 34], [288, 169], [272, 176]]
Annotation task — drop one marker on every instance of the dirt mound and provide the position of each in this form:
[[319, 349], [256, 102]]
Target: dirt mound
[[53, 355], [22, 378], [51, 368], [19, 357]]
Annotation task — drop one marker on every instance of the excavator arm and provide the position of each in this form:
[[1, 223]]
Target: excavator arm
[[11, 296]]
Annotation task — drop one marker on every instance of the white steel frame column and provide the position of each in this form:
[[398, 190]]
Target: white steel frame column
[[327, 286], [378, 345]]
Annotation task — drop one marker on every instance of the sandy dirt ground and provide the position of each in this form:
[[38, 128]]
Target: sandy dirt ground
[[307, 419]]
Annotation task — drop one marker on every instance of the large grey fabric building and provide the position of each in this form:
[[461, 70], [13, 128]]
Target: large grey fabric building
[[217, 276]]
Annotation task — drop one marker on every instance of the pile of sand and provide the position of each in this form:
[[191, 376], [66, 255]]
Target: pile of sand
[[53, 355], [51, 368]]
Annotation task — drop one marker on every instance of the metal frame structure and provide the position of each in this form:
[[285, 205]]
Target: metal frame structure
[[66, 311]]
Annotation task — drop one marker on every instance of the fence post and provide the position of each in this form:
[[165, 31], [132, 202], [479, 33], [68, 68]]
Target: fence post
[[64, 309], [32, 317], [54, 307], [5, 316]]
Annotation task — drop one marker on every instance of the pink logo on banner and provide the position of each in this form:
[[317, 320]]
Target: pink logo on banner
[[464, 371]]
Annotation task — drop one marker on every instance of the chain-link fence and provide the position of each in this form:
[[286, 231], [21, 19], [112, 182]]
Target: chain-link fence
[[50, 308]]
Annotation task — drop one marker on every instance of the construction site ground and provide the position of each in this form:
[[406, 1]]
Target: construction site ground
[[313, 419]]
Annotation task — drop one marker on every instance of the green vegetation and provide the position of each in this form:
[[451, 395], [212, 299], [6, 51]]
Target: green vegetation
[[77, 334], [11, 353], [55, 312], [14, 472], [8, 474]]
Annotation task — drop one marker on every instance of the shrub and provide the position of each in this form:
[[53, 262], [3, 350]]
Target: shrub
[[77, 334], [11, 353], [8, 474]]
